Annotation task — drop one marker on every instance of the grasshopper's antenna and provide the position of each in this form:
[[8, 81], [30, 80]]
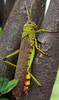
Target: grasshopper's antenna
[[27, 11], [31, 7], [28, 15]]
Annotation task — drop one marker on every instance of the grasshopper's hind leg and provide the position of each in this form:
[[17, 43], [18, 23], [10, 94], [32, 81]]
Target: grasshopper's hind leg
[[5, 58], [29, 68]]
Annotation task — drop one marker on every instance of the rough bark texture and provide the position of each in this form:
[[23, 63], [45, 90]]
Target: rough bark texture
[[43, 68]]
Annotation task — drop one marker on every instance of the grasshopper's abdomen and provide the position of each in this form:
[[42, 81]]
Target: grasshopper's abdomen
[[22, 64], [26, 83], [27, 77]]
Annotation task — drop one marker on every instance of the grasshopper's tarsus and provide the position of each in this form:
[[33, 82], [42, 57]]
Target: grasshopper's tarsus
[[47, 55], [41, 89], [54, 31]]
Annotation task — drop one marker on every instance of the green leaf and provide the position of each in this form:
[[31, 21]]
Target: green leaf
[[4, 99], [10, 85], [6, 85], [0, 30], [3, 82]]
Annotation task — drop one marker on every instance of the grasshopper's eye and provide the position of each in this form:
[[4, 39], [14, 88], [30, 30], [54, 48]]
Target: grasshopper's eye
[[29, 22]]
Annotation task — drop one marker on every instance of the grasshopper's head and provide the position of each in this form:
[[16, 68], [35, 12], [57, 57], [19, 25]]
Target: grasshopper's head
[[29, 23]]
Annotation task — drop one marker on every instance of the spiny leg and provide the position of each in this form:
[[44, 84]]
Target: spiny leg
[[40, 49], [36, 81], [29, 68], [14, 53], [10, 63]]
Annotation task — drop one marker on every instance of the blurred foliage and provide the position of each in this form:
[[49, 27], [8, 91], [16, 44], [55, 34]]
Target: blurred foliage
[[0, 30], [55, 90]]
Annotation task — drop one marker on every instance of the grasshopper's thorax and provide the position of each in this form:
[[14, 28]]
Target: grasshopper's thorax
[[29, 29]]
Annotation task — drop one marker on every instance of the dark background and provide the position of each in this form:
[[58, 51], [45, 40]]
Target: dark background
[[43, 68]]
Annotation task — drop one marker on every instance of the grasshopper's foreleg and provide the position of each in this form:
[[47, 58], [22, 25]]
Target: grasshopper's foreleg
[[5, 58], [40, 49], [29, 68], [46, 31]]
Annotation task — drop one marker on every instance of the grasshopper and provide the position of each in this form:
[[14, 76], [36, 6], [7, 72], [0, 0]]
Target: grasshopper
[[26, 55]]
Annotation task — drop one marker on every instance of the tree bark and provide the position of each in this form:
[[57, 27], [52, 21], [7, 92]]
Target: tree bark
[[43, 68]]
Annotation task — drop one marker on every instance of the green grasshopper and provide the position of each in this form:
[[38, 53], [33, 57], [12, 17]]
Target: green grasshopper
[[26, 55]]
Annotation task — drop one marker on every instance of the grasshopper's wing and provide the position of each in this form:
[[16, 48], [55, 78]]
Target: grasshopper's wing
[[21, 68]]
